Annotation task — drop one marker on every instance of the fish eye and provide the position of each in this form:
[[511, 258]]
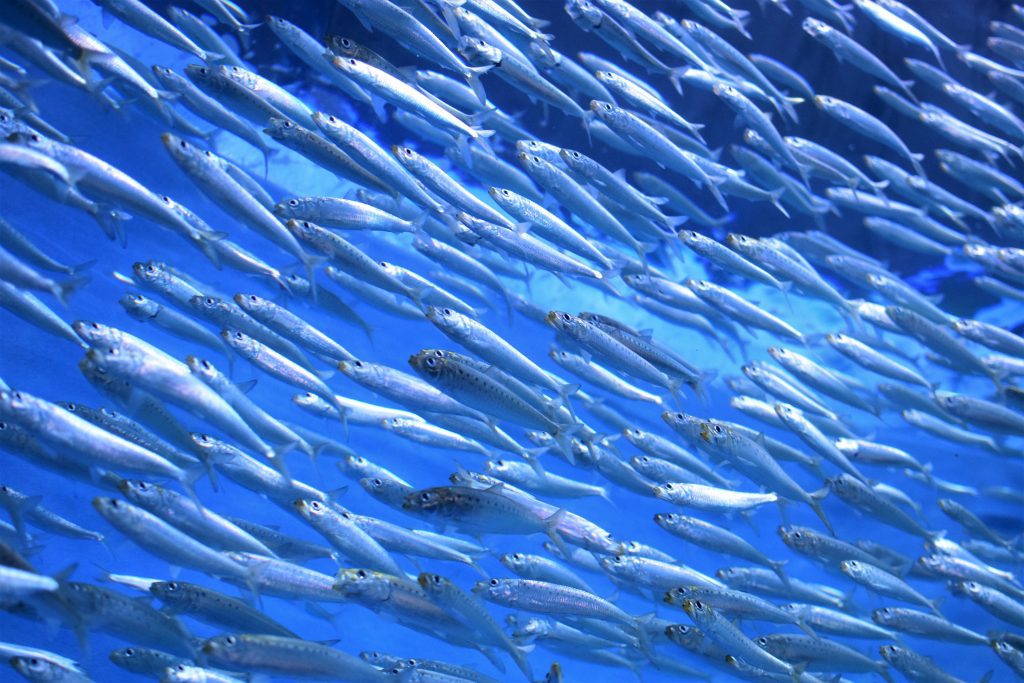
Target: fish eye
[[287, 124], [71, 407], [358, 363], [352, 62], [361, 574], [293, 202], [798, 534], [762, 641], [436, 579], [114, 502], [209, 301], [315, 506], [253, 298], [230, 640], [206, 364], [699, 604], [506, 193], [129, 652], [447, 311], [493, 582], [668, 487], [430, 362]]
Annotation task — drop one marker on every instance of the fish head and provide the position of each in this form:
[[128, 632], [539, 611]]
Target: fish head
[[296, 210], [358, 370], [726, 92], [344, 46], [565, 323], [515, 561], [788, 414], [31, 139], [796, 537], [113, 509], [715, 433], [635, 436], [138, 306], [669, 491], [575, 160], [584, 13], [240, 342], [281, 128], [432, 583], [206, 442], [184, 153], [477, 52], [1007, 652], [169, 591], [310, 510], [542, 55], [687, 636], [114, 361], [698, 610], [497, 590], [408, 157], [843, 486], [166, 76], [97, 334], [363, 583], [780, 354], [38, 668], [498, 467], [815, 27], [223, 648], [884, 616], [281, 27], [824, 102], [357, 464], [852, 568], [201, 75], [152, 273], [618, 565], [254, 305], [140, 492], [606, 111], [449, 321], [965, 588], [201, 368]]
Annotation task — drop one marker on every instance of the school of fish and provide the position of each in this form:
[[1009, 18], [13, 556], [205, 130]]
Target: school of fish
[[348, 396]]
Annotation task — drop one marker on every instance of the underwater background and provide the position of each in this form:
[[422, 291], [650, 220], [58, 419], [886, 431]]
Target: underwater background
[[991, 485]]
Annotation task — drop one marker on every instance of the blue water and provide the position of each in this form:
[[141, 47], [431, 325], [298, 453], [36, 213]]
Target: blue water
[[46, 367]]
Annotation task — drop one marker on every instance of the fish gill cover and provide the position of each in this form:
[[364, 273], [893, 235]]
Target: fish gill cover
[[440, 340]]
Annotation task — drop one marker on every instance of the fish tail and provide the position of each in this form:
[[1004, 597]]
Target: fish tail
[[110, 221], [776, 566], [473, 75], [820, 511], [802, 625], [519, 656], [64, 290]]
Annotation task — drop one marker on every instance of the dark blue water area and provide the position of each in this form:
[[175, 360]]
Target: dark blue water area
[[44, 366]]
